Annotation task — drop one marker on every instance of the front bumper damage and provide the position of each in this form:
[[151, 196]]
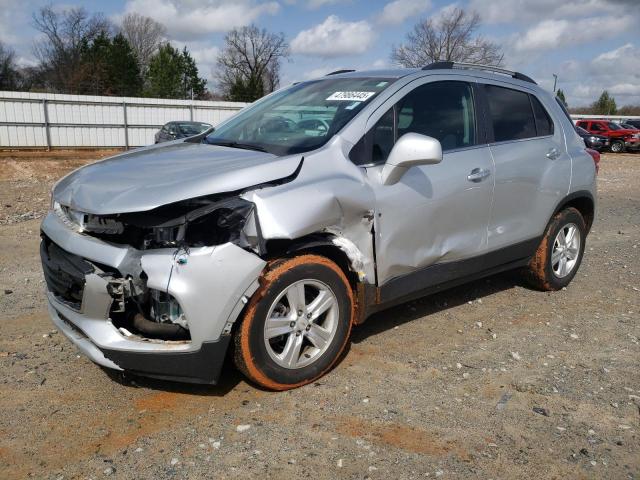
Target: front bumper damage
[[211, 285]]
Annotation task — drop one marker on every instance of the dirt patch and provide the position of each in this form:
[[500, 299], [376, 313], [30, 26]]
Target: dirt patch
[[404, 437], [443, 386]]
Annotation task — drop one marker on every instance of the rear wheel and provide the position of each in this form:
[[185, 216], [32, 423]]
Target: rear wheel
[[297, 323], [560, 252], [617, 146]]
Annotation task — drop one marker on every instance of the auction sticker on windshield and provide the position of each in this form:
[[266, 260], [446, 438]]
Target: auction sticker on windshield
[[350, 96]]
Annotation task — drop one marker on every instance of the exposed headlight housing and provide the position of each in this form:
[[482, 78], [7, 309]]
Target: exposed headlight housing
[[191, 223]]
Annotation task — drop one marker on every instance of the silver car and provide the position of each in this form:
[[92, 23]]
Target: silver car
[[308, 211]]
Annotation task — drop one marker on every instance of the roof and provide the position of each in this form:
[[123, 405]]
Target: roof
[[499, 74]]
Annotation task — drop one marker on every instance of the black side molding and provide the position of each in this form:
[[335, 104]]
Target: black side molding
[[444, 275]]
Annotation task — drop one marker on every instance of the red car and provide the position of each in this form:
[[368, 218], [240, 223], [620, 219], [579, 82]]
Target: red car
[[621, 138]]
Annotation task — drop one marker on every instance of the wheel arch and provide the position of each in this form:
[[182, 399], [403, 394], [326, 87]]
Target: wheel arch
[[583, 202], [321, 243]]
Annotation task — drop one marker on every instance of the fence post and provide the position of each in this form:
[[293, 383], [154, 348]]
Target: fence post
[[191, 111], [126, 125], [47, 133]]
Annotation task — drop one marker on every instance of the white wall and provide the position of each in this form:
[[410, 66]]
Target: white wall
[[93, 121]]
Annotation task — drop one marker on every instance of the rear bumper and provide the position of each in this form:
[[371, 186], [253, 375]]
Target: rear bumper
[[632, 145]]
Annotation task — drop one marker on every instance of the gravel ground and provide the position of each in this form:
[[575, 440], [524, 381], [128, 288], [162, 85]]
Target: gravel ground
[[488, 380]]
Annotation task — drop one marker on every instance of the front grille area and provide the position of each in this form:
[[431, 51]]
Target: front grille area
[[64, 272]]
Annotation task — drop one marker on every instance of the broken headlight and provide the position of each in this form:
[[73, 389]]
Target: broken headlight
[[193, 223]]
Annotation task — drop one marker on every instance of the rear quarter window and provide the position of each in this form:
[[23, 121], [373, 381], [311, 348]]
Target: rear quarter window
[[544, 124], [511, 114]]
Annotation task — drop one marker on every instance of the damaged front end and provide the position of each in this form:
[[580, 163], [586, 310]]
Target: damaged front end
[[181, 227], [171, 280]]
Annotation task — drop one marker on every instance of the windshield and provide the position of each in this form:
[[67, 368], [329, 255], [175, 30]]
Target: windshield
[[614, 126], [300, 118], [192, 128], [582, 131]]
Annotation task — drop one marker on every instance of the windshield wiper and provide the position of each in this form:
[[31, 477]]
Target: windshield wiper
[[244, 146]]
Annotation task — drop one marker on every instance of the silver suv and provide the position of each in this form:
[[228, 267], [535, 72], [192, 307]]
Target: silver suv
[[308, 211]]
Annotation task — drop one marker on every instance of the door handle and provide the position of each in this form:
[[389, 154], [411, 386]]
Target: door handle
[[553, 154], [478, 174]]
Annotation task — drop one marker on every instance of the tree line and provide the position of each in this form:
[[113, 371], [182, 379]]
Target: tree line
[[86, 54], [604, 105]]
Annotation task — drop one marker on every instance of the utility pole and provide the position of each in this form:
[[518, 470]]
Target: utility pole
[[555, 82]]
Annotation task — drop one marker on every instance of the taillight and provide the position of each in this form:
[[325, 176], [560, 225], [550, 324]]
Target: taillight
[[596, 158]]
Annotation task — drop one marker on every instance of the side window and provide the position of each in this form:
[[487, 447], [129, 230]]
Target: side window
[[511, 114], [383, 137], [596, 126], [442, 110], [544, 124]]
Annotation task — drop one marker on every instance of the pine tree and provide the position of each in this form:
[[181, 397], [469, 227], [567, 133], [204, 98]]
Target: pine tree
[[108, 67], [561, 97], [123, 69], [173, 74], [192, 84], [605, 105]]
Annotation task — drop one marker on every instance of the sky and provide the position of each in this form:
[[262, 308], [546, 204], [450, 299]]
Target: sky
[[591, 45]]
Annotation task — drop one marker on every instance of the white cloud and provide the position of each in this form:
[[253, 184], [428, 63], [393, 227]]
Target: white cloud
[[14, 15], [615, 71], [314, 4], [334, 38], [526, 11], [398, 11], [205, 56], [554, 34], [189, 19]]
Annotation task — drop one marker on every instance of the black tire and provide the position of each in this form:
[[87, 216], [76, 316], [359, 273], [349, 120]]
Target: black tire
[[540, 272], [252, 356], [617, 146]]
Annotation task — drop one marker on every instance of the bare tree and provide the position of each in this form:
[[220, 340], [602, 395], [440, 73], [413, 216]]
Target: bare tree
[[65, 34], [451, 37], [249, 64], [145, 36], [9, 74]]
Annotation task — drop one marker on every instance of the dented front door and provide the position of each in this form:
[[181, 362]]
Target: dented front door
[[434, 214]]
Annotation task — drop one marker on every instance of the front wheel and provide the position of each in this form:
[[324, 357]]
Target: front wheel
[[297, 324], [617, 146], [559, 254]]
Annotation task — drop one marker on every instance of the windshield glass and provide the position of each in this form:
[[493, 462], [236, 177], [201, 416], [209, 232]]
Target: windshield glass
[[192, 128], [582, 131], [300, 118], [614, 126]]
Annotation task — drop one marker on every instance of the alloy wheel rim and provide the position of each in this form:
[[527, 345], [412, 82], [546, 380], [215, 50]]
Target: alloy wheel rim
[[566, 249], [301, 324]]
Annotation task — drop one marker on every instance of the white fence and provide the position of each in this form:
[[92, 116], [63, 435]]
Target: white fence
[[44, 120]]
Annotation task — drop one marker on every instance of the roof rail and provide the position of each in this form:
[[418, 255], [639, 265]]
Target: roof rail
[[339, 71], [472, 66]]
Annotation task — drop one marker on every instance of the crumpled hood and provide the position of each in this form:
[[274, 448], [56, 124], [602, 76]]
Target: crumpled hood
[[145, 179]]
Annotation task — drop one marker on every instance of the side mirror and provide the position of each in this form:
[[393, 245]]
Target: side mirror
[[410, 150]]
